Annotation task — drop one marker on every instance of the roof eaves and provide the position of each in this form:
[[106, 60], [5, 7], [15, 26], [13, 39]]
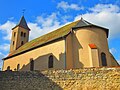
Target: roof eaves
[[22, 27], [106, 30]]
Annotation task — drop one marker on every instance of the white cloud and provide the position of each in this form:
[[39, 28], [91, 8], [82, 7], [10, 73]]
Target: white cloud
[[65, 18], [11, 18], [1, 57], [118, 61], [48, 21], [35, 30], [105, 8], [64, 5], [43, 25], [5, 47], [105, 15], [6, 29], [113, 50]]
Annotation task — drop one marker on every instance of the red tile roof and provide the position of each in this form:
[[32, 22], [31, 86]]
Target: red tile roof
[[92, 46]]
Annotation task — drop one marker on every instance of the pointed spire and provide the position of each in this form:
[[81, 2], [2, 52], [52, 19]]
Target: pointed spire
[[22, 23], [81, 18]]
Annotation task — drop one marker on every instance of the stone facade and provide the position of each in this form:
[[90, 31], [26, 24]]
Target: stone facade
[[73, 79]]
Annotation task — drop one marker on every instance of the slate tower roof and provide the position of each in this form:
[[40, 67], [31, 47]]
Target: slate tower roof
[[22, 23], [83, 23]]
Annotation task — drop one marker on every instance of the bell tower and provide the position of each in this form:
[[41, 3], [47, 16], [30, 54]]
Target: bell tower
[[20, 35]]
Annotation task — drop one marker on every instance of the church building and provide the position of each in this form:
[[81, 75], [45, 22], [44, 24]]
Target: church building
[[79, 44]]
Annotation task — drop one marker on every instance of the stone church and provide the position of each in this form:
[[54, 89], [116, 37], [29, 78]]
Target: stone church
[[79, 44]]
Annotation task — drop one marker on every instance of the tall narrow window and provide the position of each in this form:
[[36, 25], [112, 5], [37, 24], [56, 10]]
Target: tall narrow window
[[24, 34], [103, 58], [14, 34], [21, 34], [22, 43], [18, 67], [31, 64], [13, 42], [50, 62]]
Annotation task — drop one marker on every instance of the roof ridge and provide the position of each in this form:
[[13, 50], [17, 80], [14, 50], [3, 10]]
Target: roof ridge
[[54, 30], [88, 23]]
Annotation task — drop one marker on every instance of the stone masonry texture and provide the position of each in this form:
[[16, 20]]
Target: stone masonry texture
[[73, 79]]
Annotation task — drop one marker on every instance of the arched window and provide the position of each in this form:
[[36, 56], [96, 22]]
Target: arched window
[[22, 43], [24, 34], [18, 67], [31, 64], [103, 58], [8, 68], [50, 62]]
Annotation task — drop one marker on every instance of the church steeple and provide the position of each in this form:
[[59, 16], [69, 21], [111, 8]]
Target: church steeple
[[20, 34], [22, 23]]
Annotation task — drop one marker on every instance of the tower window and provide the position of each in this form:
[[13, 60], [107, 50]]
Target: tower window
[[24, 34], [14, 34], [21, 34], [31, 64], [22, 43], [50, 62], [13, 42], [103, 58]]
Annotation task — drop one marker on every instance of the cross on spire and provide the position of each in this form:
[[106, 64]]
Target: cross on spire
[[23, 11], [81, 16]]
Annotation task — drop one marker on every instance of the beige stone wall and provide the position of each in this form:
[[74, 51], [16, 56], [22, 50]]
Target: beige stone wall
[[69, 54], [13, 47], [86, 78], [94, 58], [89, 35], [40, 57]]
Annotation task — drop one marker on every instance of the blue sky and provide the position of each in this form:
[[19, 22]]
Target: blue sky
[[44, 16]]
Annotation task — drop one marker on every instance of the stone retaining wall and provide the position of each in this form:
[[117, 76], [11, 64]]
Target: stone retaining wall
[[77, 79]]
